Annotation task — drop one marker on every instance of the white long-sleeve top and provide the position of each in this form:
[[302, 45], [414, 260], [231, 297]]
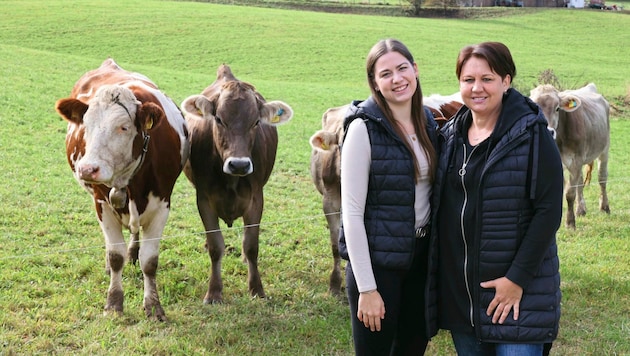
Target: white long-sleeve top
[[355, 170]]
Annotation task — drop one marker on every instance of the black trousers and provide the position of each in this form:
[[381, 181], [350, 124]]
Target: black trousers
[[403, 331]]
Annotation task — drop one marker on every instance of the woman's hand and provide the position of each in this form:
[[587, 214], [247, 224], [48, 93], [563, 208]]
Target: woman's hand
[[371, 310], [507, 296]]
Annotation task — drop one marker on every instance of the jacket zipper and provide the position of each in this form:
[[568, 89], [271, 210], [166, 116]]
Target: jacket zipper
[[462, 173]]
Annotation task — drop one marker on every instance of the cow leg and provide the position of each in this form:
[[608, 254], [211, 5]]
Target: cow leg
[[579, 185], [602, 176], [332, 209], [569, 193], [215, 244], [251, 220], [115, 252], [149, 256], [134, 246]]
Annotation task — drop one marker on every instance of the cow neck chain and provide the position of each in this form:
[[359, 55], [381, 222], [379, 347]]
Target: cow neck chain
[[145, 147]]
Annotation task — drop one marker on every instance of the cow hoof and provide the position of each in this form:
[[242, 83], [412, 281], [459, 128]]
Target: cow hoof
[[155, 313], [113, 310], [605, 209], [212, 301], [112, 313], [335, 292], [259, 294], [115, 301], [215, 298]]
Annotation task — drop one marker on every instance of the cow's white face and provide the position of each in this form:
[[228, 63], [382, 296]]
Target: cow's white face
[[110, 132]]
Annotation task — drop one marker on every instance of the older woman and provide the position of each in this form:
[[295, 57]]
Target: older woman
[[498, 205]]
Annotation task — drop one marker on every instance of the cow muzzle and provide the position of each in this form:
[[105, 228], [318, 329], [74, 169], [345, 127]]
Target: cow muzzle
[[238, 166], [89, 173]]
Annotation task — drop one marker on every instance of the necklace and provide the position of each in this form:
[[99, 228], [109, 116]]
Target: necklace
[[462, 171], [479, 138]]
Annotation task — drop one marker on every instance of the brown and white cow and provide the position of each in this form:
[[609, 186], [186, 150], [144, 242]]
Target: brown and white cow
[[579, 120], [326, 164], [233, 150], [126, 143]]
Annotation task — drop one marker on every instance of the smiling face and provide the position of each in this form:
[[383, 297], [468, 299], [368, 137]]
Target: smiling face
[[395, 77], [482, 88]]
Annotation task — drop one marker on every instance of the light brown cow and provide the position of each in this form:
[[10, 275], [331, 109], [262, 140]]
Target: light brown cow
[[326, 164], [579, 120], [126, 143], [234, 141]]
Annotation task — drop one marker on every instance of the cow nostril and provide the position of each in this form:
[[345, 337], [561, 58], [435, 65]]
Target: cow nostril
[[88, 171], [239, 167]]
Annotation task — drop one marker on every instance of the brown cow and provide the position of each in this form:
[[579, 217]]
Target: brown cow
[[326, 164], [127, 143], [233, 150], [579, 120]]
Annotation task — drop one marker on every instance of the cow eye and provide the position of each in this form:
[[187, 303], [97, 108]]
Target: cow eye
[[124, 128], [557, 108], [257, 123], [219, 121]]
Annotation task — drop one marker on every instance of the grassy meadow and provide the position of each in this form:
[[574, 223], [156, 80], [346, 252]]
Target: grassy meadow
[[52, 269]]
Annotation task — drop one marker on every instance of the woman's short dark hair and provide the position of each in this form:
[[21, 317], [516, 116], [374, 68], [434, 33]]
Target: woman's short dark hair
[[496, 54]]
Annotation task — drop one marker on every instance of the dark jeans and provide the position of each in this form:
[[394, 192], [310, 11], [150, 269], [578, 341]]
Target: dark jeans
[[468, 345], [403, 331]]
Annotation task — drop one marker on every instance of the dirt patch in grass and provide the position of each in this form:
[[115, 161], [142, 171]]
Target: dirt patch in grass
[[379, 9]]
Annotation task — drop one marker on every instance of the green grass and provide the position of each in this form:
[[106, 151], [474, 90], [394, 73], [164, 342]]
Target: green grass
[[52, 280]]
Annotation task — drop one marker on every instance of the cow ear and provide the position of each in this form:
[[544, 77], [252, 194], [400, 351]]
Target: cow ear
[[276, 113], [71, 110], [570, 103], [149, 115], [197, 106], [323, 140]]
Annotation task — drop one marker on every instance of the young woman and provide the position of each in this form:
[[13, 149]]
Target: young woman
[[388, 161], [498, 205]]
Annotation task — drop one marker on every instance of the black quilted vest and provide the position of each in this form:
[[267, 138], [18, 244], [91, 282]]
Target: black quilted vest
[[389, 210]]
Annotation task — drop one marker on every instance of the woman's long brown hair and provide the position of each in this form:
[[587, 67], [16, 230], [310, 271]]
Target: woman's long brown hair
[[417, 109]]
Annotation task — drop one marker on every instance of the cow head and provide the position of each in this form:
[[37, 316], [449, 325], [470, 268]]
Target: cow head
[[552, 102], [236, 112], [116, 127], [324, 141]]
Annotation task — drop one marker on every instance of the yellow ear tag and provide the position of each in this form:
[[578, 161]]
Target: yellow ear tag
[[199, 112], [276, 119], [324, 146], [149, 124], [572, 104]]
